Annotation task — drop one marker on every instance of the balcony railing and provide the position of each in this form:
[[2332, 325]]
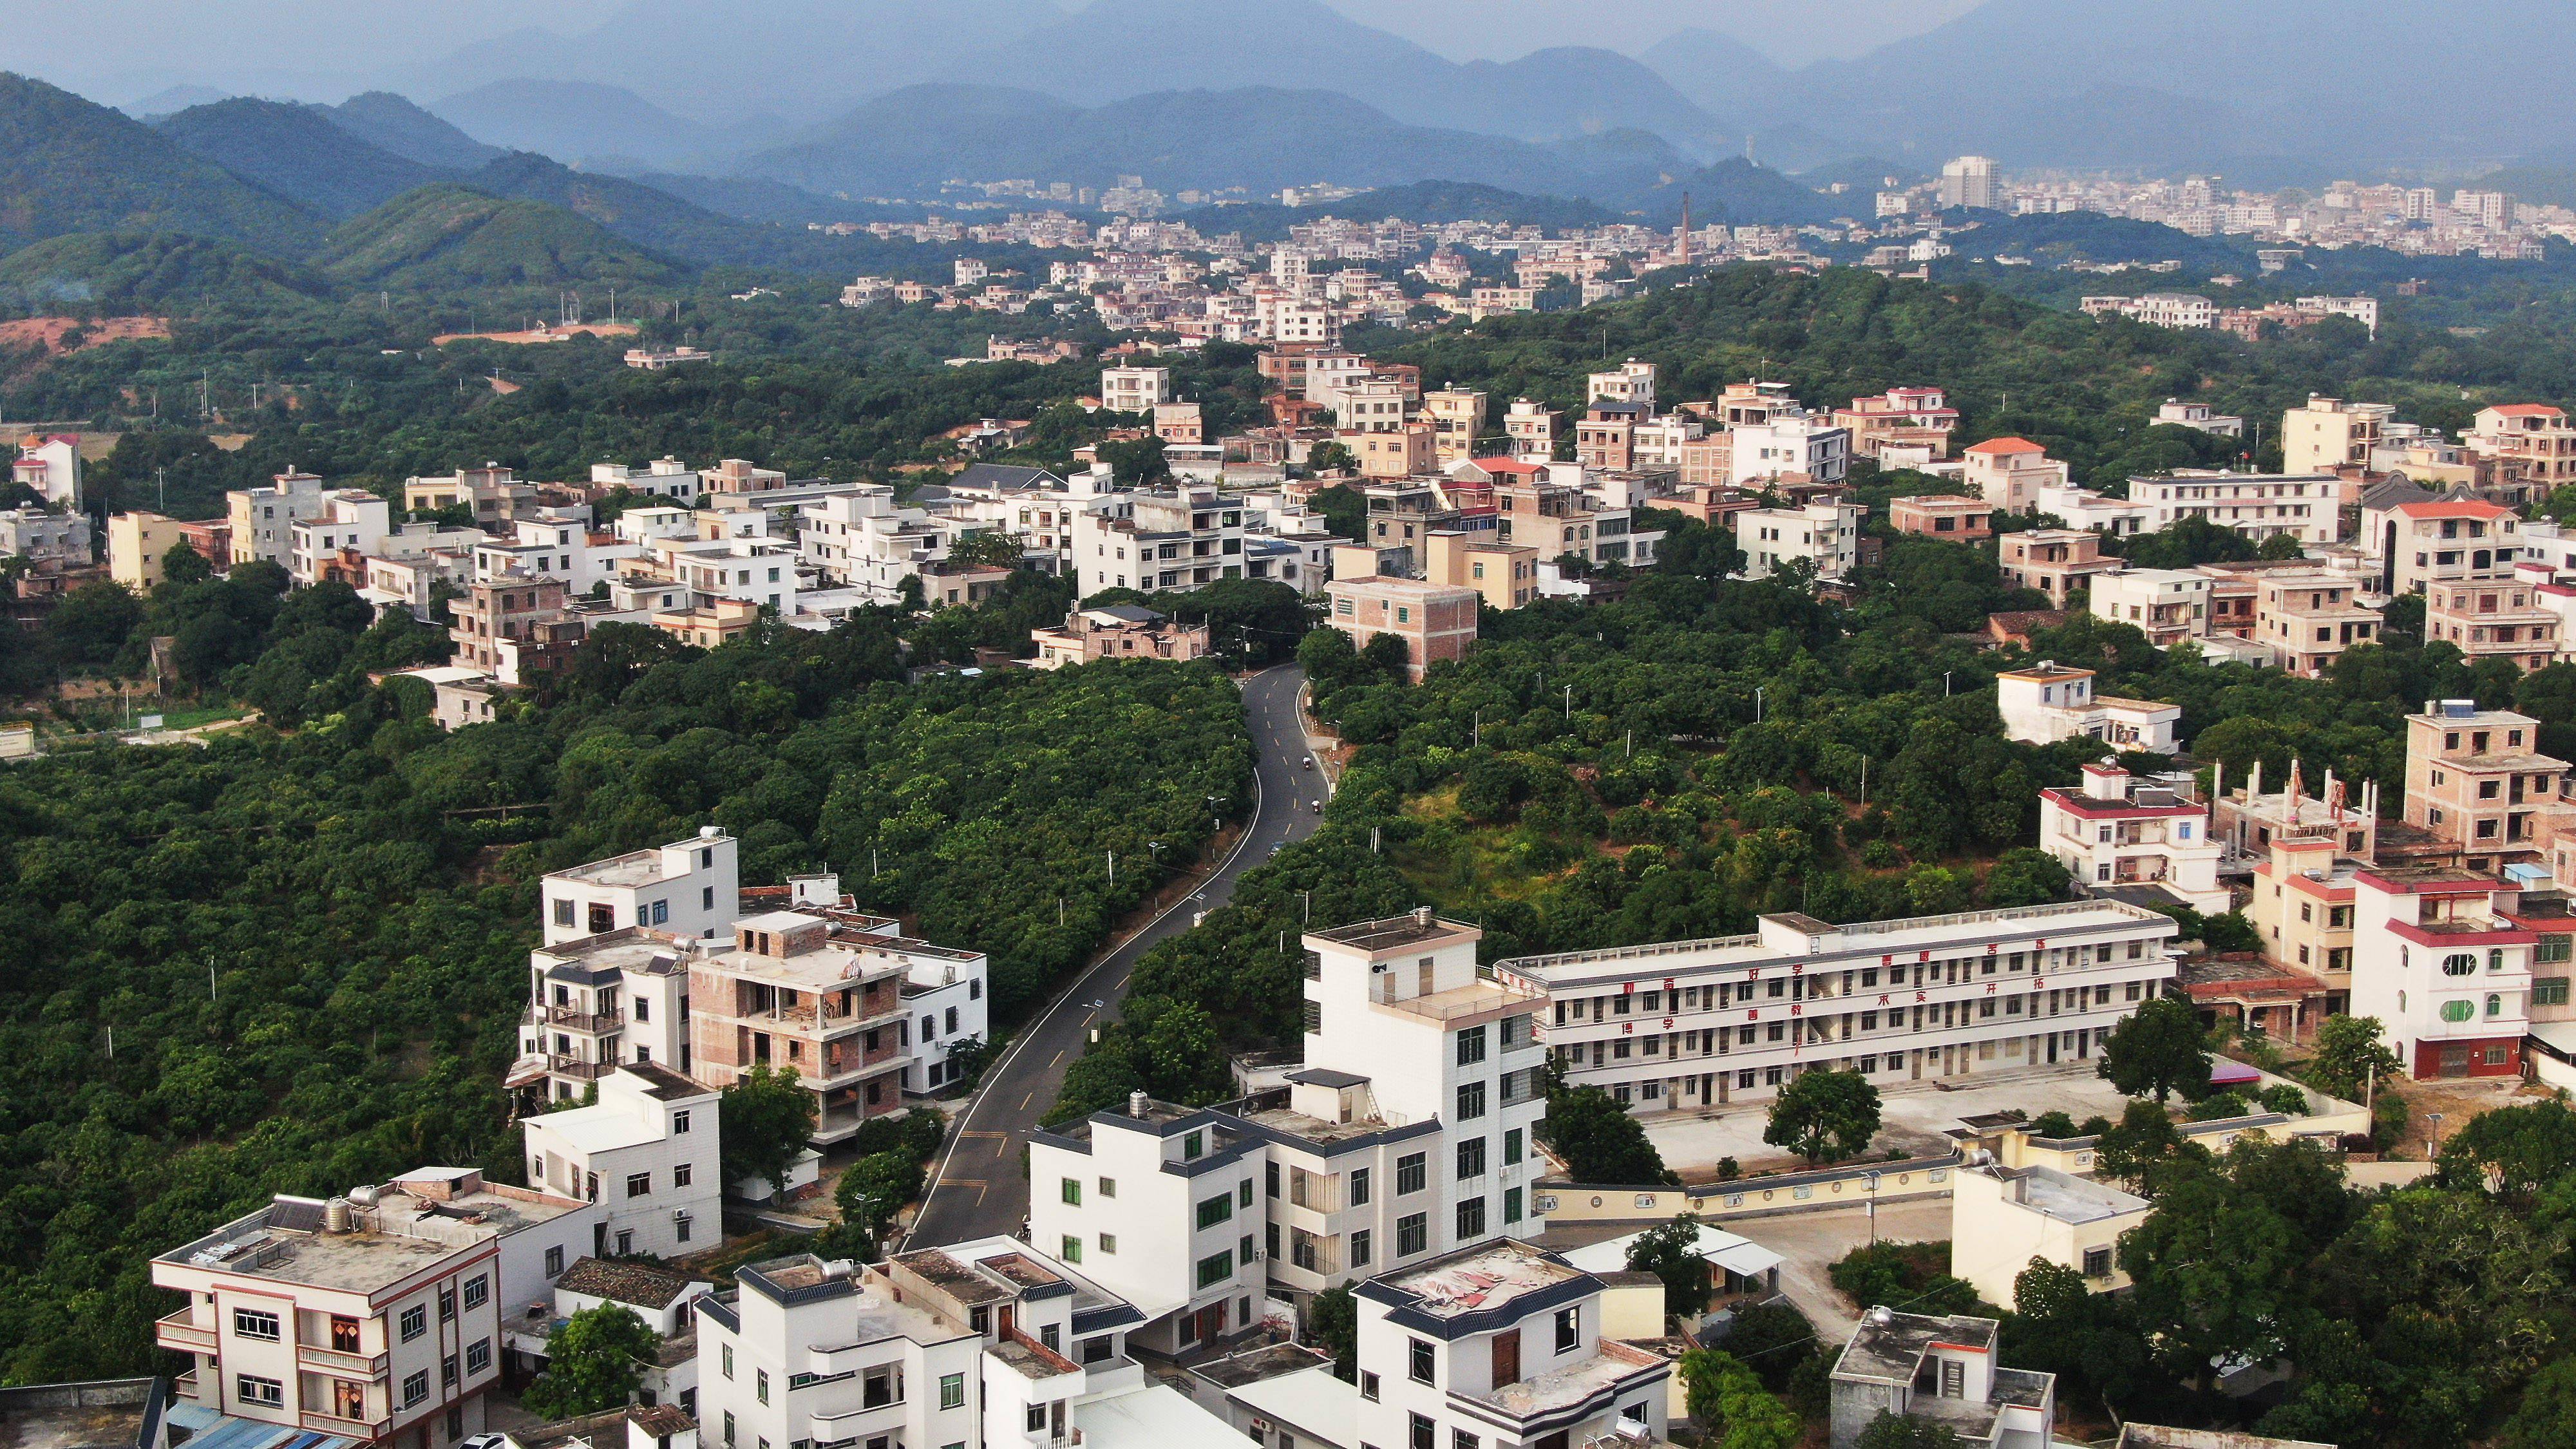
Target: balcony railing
[[177, 1332], [316, 1357], [323, 1423], [578, 1069], [185, 1385], [573, 1018]]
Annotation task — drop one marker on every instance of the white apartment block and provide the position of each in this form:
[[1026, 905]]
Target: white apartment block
[[1789, 443], [1631, 382], [2116, 831], [1501, 1345], [861, 540], [982, 1345], [378, 1316], [1686, 1025], [2258, 505], [345, 518], [1406, 1134], [1944, 1370], [1135, 389], [2439, 959], [554, 543], [1177, 539], [646, 1152], [686, 888], [1161, 1205], [1826, 535], [664, 477], [2167, 605], [2050, 701], [596, 1003], [52, 467]]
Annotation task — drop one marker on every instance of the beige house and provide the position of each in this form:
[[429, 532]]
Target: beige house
[[2493, 619], [2055, 561], [2003, 1217], [2009, 472], [1457, 416], [2329, 433], [1505, 573], [136, 544], [2310, 618], [2476, 778]]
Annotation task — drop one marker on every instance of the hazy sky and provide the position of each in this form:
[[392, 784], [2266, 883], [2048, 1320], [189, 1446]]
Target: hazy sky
[[120, 50]]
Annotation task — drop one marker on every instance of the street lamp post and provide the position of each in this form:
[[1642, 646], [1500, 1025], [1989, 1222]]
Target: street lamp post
[[1872, 1180], [2434, 1151]]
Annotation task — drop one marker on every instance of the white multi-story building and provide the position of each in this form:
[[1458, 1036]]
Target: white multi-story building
[[981, 1345], [1178, 539], [1504, 1345], [554, 543], [2050, 701], [52, 467], [687, 888], [664, 477], [2257, 505], [1134, 389], [2439, 959], [346, 518], [646, 1152], [2167, 605], [377, 1316], [1968, 181], [1800, 443], [1824, 534], [1682, 1026], [861, 540], [2121, 831], [1944, 1370], [2443, 541], [1406, 1134], [1631, 382]]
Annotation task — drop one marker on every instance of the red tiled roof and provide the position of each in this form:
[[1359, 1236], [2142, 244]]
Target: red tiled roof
[[2007, 445], [2525, 410]]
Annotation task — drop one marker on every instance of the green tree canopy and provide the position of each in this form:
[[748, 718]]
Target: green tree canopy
[[1824, 1116], [767, 1117], [2159, 1048], [594, 1362]]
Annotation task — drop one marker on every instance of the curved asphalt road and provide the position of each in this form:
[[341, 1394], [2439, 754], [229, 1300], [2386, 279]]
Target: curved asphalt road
[[978, 1187]]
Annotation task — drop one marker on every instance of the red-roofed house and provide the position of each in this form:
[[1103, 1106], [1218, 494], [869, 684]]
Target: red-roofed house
[[2117, 830], [2009, 472], [2436, 957], [2446, 540]]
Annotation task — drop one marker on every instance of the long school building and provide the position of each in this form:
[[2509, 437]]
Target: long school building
[[1690, 1024]]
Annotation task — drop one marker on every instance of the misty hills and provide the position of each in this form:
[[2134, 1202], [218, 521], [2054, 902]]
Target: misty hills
[[447, 235], [67, 165], [296, 152]]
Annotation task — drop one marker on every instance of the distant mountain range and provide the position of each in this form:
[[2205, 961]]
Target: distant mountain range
[[446, 236], [68, 165]]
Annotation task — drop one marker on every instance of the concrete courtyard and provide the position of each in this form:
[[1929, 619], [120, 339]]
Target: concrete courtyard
[[1914, 1116]]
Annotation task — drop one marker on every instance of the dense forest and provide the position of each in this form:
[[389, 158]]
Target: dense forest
[[293, 960]]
